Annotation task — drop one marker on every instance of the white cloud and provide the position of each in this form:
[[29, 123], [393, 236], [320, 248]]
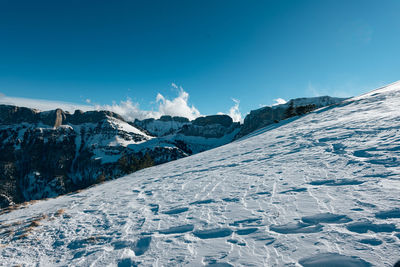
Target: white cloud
[[279, 101], [43, 104], [178, 106], [234, 111], [128, 109], [174, 85]]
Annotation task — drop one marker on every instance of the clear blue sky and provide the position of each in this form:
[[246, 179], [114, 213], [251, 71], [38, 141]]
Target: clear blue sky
[[254, 51]]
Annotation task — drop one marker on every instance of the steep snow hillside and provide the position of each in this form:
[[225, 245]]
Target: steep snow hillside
[[319, 190]]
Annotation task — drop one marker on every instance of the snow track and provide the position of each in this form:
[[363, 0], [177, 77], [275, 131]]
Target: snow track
[[321, 188]]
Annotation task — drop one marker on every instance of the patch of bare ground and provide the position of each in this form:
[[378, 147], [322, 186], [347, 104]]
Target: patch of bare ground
[[59, 212]]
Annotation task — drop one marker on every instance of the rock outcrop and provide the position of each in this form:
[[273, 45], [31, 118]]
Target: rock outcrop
[[45, 154], [265, 116], [54, 118]]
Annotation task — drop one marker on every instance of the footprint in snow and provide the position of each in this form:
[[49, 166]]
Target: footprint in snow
[[261, 237], [294, 190], [154, 208], [364, 227], [219, 264], [296, 228], [388, 214], [177, 229], [236, 242], [333, 259], [199, 202], [340, 182], [176, 211], [127, 262], [212, 233], [142, 245], [263, 193], [371, 241], [148, 193], [229, 199], [326, 218], [246, 231], [247, 222]]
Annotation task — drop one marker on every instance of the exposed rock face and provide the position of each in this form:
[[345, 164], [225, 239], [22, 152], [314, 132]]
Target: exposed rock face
[[13, 114], [175, 118], [223, 120], [54, 118], [264, 116], [214, 126]]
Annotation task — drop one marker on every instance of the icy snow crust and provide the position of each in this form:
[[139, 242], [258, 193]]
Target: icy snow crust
[[320, 190]]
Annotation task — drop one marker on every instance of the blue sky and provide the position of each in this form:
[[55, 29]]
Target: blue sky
[[251, 51]]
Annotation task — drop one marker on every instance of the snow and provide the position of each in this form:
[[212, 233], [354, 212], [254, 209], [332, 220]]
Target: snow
[[161, 128], [124, 126], [322, 189], [318, 101]]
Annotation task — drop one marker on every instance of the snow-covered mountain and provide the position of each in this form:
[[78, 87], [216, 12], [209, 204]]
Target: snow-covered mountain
[[194, 136], [318, 190], [45, 154]]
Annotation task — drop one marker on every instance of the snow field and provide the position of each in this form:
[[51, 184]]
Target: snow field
[[320, 188]]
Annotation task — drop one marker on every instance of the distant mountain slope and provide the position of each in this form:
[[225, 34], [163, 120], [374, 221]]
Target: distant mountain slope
[[321, 190], [45, 154]]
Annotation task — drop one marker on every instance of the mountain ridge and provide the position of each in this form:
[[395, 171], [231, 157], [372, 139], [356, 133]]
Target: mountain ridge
[[49, 153]]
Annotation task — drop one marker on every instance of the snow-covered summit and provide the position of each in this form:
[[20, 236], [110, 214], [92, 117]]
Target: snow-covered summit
[[319, 190]]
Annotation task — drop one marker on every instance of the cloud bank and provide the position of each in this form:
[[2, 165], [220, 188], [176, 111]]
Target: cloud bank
[[129, 110], [42, 104]]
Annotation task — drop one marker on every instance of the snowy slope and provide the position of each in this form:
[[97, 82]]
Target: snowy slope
[[323, 187]]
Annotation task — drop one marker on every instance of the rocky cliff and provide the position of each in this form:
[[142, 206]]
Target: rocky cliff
[[296, 107], [192, 137], [45, 154]]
